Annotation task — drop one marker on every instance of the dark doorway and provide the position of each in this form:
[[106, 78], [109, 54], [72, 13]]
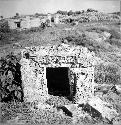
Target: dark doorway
[[58, 81], [18, 24]]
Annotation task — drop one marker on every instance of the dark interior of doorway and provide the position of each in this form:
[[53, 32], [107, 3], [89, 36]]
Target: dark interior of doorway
[[58, 81], [18, 24]]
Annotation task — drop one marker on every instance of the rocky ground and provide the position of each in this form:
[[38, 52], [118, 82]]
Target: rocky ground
[[27, 113], [107, 71]]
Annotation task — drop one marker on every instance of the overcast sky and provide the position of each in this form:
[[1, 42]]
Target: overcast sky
[[10, 7]]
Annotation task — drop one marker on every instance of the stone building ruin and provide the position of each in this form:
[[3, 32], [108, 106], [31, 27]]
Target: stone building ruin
[[61, 70], [24, 23], [14, 23]]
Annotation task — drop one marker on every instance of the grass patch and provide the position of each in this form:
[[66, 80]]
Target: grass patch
[[107, 74], [113, 32], [115, 42], [10, 79], [11, 37], [84, 41]]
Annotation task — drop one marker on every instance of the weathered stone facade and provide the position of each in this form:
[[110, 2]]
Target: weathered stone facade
[[24, 23], [78, 59]]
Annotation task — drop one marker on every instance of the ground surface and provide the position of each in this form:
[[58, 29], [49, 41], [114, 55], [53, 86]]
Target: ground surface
[[109, 51]]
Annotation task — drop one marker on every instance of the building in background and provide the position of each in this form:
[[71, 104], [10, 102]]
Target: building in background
[[56, 19], [24, 23]]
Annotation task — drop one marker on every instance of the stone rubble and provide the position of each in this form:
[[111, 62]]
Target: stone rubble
[[106, 109], [91, 17]]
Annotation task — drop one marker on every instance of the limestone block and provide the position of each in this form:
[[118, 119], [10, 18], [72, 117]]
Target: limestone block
[[106, 34], [104, 108]]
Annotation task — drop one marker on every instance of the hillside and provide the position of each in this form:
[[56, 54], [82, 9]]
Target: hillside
[[103, 38]]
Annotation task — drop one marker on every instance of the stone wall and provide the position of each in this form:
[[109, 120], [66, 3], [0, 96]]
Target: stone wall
[[25, 23], [33, 68], [12, 24], [56, 19], [93, 17], [35, 22]]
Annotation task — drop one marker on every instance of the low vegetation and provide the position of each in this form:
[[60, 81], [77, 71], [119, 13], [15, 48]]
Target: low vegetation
[[4, 32], [10, 79], [107, 74]]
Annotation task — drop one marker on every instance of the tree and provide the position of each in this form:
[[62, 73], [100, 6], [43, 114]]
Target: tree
[[17, 15], [10, 79], [37, 14], [70, 13], [62, 12], [1, 17], [77, 12], [59, 11], [91, 10], [82, 11], [4, 27]]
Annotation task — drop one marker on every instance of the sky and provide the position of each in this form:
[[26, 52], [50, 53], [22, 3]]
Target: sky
[[9, 8]]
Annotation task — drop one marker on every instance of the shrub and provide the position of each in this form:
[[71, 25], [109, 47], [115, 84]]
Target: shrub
[[111, 78], [4, 27], [77, 12], [10, 79], [115, 34], [70, 13], [4, 38], [33, 29], [97, 29], [62, 12], [91, 10], [84, 41]]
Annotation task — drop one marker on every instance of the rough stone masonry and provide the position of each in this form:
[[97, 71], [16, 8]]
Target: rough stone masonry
[[35, 60]]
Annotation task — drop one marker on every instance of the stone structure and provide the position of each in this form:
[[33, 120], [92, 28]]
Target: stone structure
[[24, 23], [14, 23], [49, 19], [36, 60], [56, 19]]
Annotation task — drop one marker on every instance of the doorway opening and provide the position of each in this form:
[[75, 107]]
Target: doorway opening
[[18, 24], [58, 81]]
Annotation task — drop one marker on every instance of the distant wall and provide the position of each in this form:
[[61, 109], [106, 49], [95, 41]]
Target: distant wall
[[12, 24], [25, 23]]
